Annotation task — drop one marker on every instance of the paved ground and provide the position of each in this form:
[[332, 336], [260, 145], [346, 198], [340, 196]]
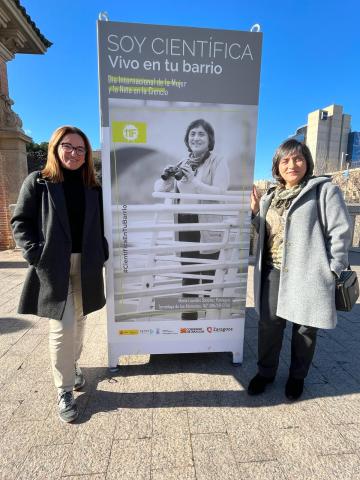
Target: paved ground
[[173, 417]]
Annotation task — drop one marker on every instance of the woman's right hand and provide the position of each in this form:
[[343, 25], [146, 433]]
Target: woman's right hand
[[166, 182], [254, 201], [188, 172], [168, 169]]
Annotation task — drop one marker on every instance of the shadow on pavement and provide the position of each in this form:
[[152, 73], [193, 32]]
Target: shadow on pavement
[[101, 400], [13, 265], [353, 316], [333, 374], [13, 324], [354, 258]]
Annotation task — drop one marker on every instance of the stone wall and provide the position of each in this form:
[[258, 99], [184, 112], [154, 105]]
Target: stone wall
[[6, 238], [13, 173], [350, 185]]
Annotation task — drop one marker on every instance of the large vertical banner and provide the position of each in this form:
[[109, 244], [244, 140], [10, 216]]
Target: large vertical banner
[[178, 125]]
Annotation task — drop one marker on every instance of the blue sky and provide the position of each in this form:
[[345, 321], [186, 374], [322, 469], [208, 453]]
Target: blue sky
[[310, 59]]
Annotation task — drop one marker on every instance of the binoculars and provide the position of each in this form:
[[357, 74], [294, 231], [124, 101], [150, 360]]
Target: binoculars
[[176, 172]]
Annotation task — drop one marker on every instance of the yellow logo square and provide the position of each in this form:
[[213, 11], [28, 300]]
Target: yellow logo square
[[128, 132]]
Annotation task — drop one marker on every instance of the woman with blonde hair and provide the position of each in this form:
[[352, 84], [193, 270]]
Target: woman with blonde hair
[[58, 223]]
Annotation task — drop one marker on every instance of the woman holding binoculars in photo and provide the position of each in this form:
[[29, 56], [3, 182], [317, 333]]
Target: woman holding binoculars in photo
[[202, 171]]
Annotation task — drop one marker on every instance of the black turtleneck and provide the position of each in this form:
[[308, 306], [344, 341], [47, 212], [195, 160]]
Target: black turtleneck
[[73, 186]]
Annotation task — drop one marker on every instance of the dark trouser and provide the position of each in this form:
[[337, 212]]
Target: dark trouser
[[193, 237], [271, 333]]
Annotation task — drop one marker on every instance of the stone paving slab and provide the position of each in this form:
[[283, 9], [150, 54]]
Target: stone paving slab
[[174, 417], [214, 457], [130, 459], [174, 474]]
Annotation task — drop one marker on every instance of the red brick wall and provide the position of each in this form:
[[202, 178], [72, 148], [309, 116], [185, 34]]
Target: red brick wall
[[6, 238], [4, 88]]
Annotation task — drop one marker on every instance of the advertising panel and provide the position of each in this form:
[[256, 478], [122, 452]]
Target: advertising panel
[[178, 109]]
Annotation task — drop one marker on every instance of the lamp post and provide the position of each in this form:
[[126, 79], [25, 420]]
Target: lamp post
[[346, 172], [344, 159]]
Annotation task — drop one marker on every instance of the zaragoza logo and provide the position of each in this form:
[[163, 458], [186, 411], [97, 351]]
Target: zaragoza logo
[[128, 132]]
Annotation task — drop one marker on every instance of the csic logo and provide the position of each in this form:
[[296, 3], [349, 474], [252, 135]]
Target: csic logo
[[167, 331], [130, 132], [209, 329], [148, 331]]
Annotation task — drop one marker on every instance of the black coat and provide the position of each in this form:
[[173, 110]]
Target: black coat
[[41, 228]]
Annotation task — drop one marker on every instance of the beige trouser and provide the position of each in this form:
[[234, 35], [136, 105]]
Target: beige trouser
[[66, 335]]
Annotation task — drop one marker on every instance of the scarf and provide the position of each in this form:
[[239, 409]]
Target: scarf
[[197, 161], [275, 221], [284, 197]]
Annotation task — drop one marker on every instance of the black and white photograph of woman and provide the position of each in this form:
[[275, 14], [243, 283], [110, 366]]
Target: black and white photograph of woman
[[186, 200], [202, 171]]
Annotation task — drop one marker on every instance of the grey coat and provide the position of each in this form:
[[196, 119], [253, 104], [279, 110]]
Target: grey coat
[[316, 243], [41, 228]]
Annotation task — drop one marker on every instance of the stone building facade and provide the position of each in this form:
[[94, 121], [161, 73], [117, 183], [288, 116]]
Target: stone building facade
[[329, 137], [18, 34]]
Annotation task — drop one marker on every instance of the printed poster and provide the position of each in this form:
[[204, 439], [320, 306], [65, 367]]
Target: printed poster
[[179, 111]]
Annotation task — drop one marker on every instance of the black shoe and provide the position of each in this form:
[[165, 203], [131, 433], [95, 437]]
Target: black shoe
[[294, 388], [258, 384], [79, 378], [68, 411]]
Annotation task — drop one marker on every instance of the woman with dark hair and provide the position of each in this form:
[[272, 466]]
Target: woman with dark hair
[[58, 223], [304, 238], [202, 171]]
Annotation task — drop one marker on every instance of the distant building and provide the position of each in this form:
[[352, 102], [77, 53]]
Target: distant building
[[300, 134], [354, 149], [330, 140]]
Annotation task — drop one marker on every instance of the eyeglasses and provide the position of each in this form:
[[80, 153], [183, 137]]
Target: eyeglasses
[[68, 148]]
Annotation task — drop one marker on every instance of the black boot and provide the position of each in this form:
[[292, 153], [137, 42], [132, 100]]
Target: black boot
[[294, 388], [258, 384]]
